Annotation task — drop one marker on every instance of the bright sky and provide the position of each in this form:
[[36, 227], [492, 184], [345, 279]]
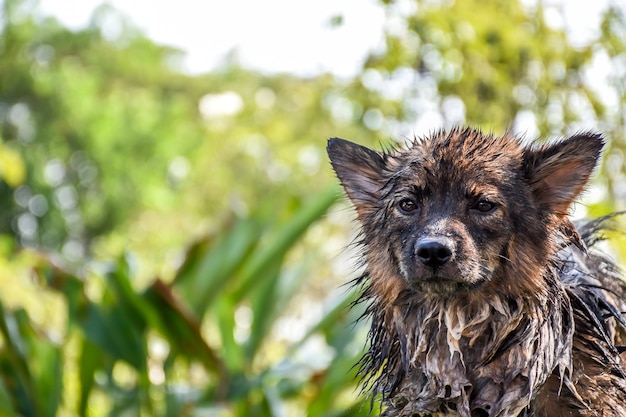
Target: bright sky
[[273, 35], [284, 35], [298, 36]]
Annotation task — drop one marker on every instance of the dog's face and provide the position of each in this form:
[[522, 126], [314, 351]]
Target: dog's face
[[454, 212]]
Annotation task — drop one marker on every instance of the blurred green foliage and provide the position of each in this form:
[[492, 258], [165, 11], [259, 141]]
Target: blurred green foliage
[[168, 243]]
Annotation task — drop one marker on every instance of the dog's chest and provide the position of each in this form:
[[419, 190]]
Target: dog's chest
[[487, 364]]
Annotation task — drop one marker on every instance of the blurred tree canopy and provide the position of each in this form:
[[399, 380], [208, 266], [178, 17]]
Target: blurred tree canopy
[[167, 239]]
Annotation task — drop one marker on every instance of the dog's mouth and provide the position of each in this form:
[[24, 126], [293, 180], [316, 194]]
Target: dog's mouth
[[443, 285]]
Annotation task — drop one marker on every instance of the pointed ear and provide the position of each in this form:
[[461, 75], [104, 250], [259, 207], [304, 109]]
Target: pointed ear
[[360, 171], [559, 172]]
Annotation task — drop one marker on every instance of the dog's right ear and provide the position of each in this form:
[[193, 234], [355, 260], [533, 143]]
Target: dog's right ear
[[360, 171], [559, 172]]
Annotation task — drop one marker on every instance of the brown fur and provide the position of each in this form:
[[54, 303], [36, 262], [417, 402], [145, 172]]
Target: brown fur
[[483, 297]]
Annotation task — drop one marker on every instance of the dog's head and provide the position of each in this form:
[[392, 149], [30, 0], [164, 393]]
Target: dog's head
[[461, 210]]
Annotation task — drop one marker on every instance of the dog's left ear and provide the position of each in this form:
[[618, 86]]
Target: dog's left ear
[[360, 171], [559, 172]]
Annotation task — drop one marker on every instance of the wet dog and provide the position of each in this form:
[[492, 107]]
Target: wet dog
[[484, 298]]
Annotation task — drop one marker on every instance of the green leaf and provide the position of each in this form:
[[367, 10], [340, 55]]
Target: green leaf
[[264, 260], [270, 300], [182, 328], [6, 406], [36, 365], [210, 264], [89, 361], [265, 306], [232, 352], [112, 329], [15, 367]]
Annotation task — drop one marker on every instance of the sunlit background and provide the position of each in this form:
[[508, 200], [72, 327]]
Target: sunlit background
[[272, 36], [282, 35], [309, 38], [173, 240]]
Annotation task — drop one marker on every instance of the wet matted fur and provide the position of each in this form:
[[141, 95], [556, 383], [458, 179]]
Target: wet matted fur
[[484, 298]]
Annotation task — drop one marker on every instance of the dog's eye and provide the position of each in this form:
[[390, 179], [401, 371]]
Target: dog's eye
[[484, 206], [407, 205]]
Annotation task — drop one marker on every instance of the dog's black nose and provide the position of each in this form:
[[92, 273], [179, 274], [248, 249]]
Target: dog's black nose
[[433, 252]]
